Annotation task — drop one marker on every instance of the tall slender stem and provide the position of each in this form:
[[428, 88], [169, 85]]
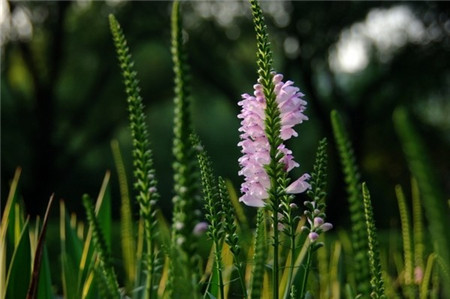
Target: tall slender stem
[[275, 255], [305, 277], [150, 259], [219, 269], [292, 263]]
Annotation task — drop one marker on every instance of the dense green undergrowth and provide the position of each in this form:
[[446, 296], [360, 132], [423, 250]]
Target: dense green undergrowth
[[211, 248]]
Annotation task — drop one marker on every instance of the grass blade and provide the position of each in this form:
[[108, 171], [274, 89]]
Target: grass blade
[[71, 249], [4, 224], [126, 220], [32, 290], [102, 251], [20, 267]]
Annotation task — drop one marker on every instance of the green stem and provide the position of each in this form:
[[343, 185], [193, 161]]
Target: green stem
[[275, 254], [305, 277], [150, 261], [240, 270], [219, 269], [292, 263]]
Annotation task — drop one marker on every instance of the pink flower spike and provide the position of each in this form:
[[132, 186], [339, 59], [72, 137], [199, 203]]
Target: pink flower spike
[[300, 185], [254, 143], [313, 236]]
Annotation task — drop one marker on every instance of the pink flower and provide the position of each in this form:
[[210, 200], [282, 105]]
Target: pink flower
[[255, 145], [200, 228], [300, 185], [313, 236]]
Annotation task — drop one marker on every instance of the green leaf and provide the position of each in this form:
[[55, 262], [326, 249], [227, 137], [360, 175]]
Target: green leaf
[[71, 248], [6, 224], [19, 271], [45, 289], [101, 249], [126, 220], [32, 290]]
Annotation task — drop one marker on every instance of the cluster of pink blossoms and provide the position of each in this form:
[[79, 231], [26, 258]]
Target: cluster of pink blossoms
[[255, 145]]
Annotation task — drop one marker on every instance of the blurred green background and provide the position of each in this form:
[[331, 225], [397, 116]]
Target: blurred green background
[[62, 98]]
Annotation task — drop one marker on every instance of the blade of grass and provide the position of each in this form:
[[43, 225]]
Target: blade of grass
[[20, 267], [425, 285], [45, 289], [71, 248], [126, 220], [5, 221], [32, 290], [102, 251], [103, 214]]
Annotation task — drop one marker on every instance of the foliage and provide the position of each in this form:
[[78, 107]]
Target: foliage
[[433, 197]]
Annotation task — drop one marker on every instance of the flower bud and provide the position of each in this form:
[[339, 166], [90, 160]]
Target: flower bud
[[313, 236]]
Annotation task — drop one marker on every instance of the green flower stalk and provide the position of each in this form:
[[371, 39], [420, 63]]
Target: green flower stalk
[[213, 206], [376, 280], [315, 208], [356, 204], [231, 236], [186, 200], [407, 244], [144, 173]]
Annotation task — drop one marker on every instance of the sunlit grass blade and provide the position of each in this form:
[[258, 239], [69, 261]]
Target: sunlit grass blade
[[356, 205], [71, 249], [212, 288], [127, 237], [34, 283], [237, 206], [434, 201], [19, 271], [101, 249], [103, 213], [6, 223], [425, 285]]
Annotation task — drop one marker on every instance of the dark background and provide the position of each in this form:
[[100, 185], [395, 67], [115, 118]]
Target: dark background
[[63, 101]]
